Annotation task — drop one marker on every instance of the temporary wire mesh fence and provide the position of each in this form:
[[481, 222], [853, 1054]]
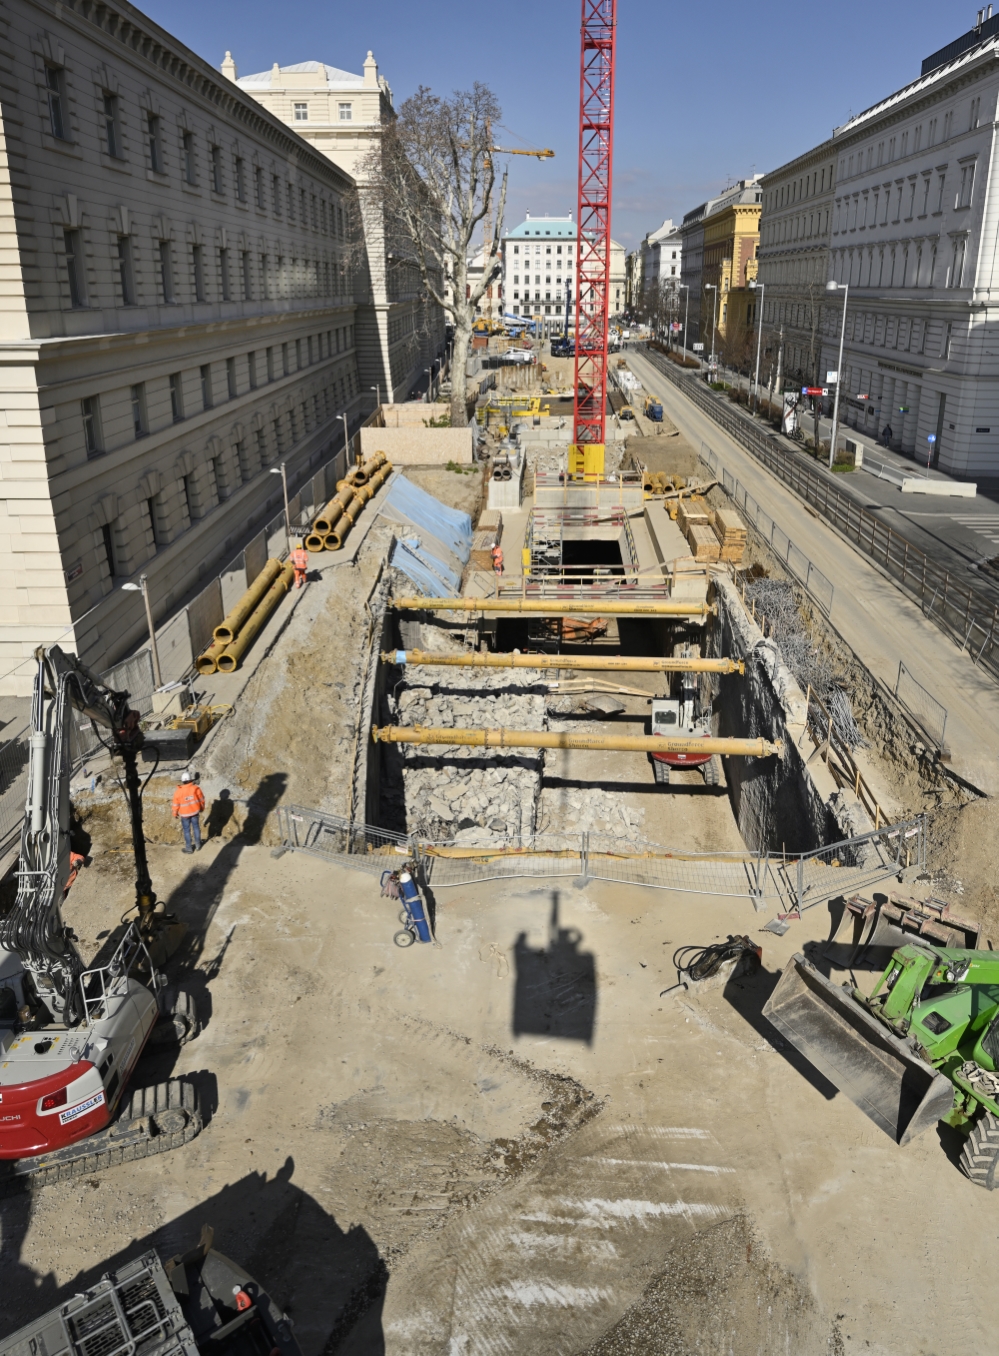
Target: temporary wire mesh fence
[[13, 788], [924, 708], [968, 617], [789, 882]]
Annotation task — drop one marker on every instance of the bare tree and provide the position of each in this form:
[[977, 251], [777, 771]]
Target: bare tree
[[434, 182]]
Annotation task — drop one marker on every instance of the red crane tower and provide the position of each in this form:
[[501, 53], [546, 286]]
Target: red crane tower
[[593, 217]]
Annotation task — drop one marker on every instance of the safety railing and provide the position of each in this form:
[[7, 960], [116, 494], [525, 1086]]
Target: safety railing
[[13, 789], [929, 714], [813, 580], [789, 882], [968, 617], [104, 982]]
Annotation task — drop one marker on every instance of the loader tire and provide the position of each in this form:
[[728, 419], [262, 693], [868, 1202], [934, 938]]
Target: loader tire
[[980, 1154]]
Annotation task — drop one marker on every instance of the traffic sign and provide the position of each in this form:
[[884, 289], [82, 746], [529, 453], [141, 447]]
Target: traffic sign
[[698, 348], [832, 378], [814, 390], [931, 438]]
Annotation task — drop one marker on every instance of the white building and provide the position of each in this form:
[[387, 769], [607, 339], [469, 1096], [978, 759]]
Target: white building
[[539, 259], [342, 116], [175, 317], [662, 256], [915, 235]]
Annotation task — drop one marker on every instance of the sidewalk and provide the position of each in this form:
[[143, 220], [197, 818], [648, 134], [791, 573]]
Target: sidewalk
[[880, 624]]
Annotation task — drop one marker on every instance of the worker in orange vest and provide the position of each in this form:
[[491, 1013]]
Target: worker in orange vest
[[188, 802], [497, 555], [76, 861], [300, 560]]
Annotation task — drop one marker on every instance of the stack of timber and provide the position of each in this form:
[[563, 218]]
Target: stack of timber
[[731, 533], [703, 543], [692, 512]]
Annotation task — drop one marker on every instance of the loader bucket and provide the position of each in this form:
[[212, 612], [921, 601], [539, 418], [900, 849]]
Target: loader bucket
[[877, 1071]]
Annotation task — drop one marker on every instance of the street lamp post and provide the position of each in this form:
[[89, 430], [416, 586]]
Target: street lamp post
[[761, 287], [430, 384], [141, 587], [713, 287], [282, 472], [346, 439], [378, 394], [685, 287], [845, 289]]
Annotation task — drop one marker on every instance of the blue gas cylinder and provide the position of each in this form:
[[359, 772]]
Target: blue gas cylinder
[[411, 898]]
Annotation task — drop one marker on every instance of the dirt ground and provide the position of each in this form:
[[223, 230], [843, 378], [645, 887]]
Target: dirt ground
[[512, 1141]]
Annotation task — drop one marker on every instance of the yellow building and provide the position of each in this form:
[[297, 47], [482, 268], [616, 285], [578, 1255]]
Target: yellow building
[[731, 245]]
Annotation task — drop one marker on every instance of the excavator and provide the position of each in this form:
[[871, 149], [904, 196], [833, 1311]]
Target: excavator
[[71, 1035], [921, 1047]]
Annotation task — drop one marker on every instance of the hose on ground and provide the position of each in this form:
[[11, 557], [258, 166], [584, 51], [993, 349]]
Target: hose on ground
[[701, 962]]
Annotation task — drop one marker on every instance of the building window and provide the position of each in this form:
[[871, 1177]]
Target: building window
[[185, 485], [230, 377], [187, 147], [153, 142], [265, 275], [270, 364], [198, 264], [945, 346], [176, 397], [139, 423], [291, 202], [55, 89], [278, 440], [151, 521], [166, 278], [211, 465], [90, 409], [206, 386], [967, 184], [107, 536], [112, 136], [125, 270], [244, 263], [240, 177], [285, 366], [276, 194], [224, 274], [251, 364], [216, 169], [258, 188], [346, 112], [261, 441], [301, 112], [74, 268], [298, 355]]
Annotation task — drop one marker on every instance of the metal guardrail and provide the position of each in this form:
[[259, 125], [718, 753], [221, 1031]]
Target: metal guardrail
[[810, 576], [968, 617], [792, 883]]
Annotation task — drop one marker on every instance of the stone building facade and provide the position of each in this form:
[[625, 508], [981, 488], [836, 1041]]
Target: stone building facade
[[794, 262], [915, 235], [539, 258], [176, 318], [342, 115]]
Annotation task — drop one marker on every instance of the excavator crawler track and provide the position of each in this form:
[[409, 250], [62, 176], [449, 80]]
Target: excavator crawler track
[[151, 1121]]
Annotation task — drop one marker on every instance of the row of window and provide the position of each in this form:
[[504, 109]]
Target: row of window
[[912, 264], [344, 110], [290, 201], [902, 334], [216, 478], [909, 142], [795, 228], [548, 297], [537, 279], [569, 249], [261, 366], [921, 195], [804, 186], [205, 275]]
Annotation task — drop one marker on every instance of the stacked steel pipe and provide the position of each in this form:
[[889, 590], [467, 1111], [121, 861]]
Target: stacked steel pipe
[[360, 484], [234, 635]]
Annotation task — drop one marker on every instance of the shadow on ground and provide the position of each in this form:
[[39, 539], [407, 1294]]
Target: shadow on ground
[[330, 1280], [555, 991]]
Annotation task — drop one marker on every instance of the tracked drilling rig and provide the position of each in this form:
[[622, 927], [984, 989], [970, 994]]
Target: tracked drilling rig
[[71, 1036]]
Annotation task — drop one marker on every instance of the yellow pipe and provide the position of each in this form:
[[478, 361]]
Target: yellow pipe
[[316, 541], [557, 607], [228, 629], [234, 652], [324, 523], [208, 662], [559, 739], [612, 664], [352, 512]]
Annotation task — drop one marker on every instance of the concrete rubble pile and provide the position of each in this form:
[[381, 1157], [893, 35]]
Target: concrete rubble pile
[[473, 796], [591, 810]]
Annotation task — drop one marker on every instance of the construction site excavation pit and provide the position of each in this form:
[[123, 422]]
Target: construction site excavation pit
[[455, 767]]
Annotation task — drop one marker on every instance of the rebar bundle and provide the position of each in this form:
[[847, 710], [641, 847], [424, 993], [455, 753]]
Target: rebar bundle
[[775, 600]]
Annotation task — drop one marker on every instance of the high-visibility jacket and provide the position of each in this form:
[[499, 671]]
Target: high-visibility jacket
[[300, 559], [188, 799]]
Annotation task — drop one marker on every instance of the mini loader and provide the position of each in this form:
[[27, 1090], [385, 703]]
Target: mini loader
[[683, 713], [922, 1047]]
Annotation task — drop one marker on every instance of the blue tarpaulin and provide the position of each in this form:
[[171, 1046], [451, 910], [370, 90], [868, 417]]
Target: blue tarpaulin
[[437, 540]]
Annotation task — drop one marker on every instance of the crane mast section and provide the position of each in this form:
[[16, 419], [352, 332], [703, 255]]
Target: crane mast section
[[593, 215]]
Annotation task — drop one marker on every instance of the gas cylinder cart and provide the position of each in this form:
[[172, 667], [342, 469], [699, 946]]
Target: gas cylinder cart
[[401, 885]]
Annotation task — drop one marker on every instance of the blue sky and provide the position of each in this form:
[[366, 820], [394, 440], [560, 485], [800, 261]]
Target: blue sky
[[703, 95]]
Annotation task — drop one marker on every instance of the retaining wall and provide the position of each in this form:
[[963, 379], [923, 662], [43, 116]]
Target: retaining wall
[[419, 446], [790, 801]]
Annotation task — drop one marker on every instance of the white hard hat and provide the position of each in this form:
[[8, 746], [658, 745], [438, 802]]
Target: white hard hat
[[185, 776]]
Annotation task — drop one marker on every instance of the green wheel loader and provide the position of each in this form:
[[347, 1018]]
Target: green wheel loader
[[922, 1047]]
